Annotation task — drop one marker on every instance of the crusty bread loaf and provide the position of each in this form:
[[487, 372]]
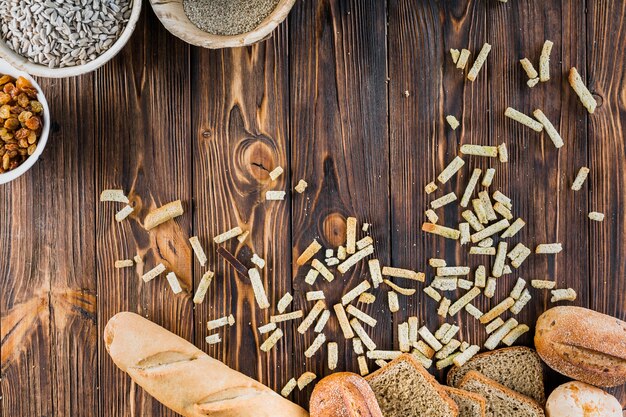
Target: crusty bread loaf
[[583, 344], [470, 404], [577, 399], [343, 394], [404, 388], [501, 401], [518, 368], [184, 378]]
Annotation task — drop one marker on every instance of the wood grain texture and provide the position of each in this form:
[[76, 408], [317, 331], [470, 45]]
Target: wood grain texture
[[145, 150], [338, 134]]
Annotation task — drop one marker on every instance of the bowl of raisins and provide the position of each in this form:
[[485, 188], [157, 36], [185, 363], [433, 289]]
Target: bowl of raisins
[[24, 122]]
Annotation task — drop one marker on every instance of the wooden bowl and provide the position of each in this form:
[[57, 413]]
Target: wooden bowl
[[22, 63], [173, 17]]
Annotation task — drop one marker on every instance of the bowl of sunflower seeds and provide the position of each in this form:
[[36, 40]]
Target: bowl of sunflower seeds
[[24, 122], [64, 38]]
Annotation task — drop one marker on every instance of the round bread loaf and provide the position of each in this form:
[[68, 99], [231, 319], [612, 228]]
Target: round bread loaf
[[343, 394], [583, 344], [577, 399]]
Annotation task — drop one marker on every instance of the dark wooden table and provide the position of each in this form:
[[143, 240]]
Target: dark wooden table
[[324, 98]]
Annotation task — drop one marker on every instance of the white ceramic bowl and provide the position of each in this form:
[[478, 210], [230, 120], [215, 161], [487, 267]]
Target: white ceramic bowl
[[5, 68], [38, 70]]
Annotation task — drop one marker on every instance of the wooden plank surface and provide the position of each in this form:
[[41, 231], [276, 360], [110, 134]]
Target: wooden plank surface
[[349, 95]]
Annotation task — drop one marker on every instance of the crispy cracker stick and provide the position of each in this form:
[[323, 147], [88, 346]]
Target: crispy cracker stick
[[503, 152], [431, 216], [124, 263], [480, 211], [448, 349], [515, 227], [321, 322], [366, 298], [413, 326], [424, 349], [488, 178], [289, 386], [321, 268], [432, 293], [354, 259], [503, 306], [315, 295], [490, 231], [388, 355], [309, 252], [258, 261], [351, 235], [275, 195], [403, 337], [344, 324], [317, 343], [310, 318], [521, 302], [464, 284], [452, 121], [447, 271], [360, 331], [444, 305], [583, 93], [580, 178], [503, 211], [362, 362], [137, 259], [436, 262], [444, 284], [423, 360], [494, 325], [514, 334], [463, 301], [490, 288], [544, 61], [596, 216], [221, 322], [242, 237], [404, 291], [533, 82], [519, 259], [213, 339], [480, 276], [552, 132], [486, 243], [477, 250], [504, 200], [358, 314], [355, 292], [452, 168], [123, 213], [173, 281], [496, 337], [163, 214], [471, 185], [467, 354], [520, 117], [113, 196], [464, 228], [441, 231], [284, 302], [455, 55], [363, 243], [234, 232], [498, 263], [473, 311], [333, 355], [516, 292], [392, 300], [203, 287], [529, 68], [473, 221], [429, 338], [365, 227], [442, 330], [276, 172], [311, 276], [563, 295], [375, 273], [301, 186], [305, 379], [403, 273], [197, 249], [430, 187], [542, 284], [357, 346], [486, 202], [549, 248], [442, 201], [267, 328], [153, 273], [341, 253], [478, 62], [463, 57], [257, 288]]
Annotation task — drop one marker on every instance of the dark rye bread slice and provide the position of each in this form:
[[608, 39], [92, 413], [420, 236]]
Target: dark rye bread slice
[[404, 388], [470, 404], [518, 368], [501, 401]]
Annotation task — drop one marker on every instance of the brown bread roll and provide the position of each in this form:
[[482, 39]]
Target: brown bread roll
[[583, 344], [344, 394], [186, 379]]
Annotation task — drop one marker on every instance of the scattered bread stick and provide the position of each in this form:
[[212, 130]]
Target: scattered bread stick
[[430, 187], [516, 292], [464, 284], [321, 268], [403, 273], [448, 349], [452, 168], [431, 216], [444, 284], [311, 276], [360, 331], [521, 302], [392, 300], [314, 295], [137, 259], [341, 253], [242, 237], [520, 117], [429, 338], [355, 292], [444, 305], [447, 271], [529, 68], [488, 177], [432, 293], [596, 216], [289, 387], [473, 221], [213, 339], [480, 211], [413, 326], [361, 316], [197, 249], [480, 276], [548, 248], [153, 273], [471, 185], [477, 250], [309, 252], [354, 259], [321, 322], [550, 130], [203, 287], [388, 355], [234, 232], [514, 334], [515, 227], [501, 198], [365, 227], [494, 325], [172, 279], [442, 201], [258, 289], [301, 186], [464, 300], [473, 311], [464, 229], [544, 61], [436, 262], [123, 213], [488, 206], [124, 263], [478, 62], [580, 178], [424, 348], [375, 272], [404, 291], [315, 345], [497, 310], [344, 324], [449, 334], [496, 337], [542, 284], [463, 57], [266, 328], [284, 302], [455, 55], [351, 235], [276, 172], [366, 298], [563, 295], [452, 121], [116, 196], [503, 153], [490, 230], [583, 93], [305, 379], [279, 318], [221, 322], [366, 241], [362, 362], [443, 231], [490, 288], [258, 261], [162, 214], [275, 195], [310, 318], [403, 337], [333, 355], [380, 363], [465, 355], [521, 257], [503, 211], [444, 363], [532, 82], [357, 346], [423, 360]]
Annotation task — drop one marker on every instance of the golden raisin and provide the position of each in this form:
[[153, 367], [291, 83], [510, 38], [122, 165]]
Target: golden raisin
[[23, 143], [6, 160], [25, 115], [32, 148], [32, 137], [5, 111], [7, 136], [4, 98], [23, 100], [12, 147], [22, 83], [22, 134], [6, 79], [36, 106], [12, 124], [33, 123]]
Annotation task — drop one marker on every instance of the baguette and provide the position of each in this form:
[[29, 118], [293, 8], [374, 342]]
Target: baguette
[[344, 394], [184, 378], [583, 344]]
